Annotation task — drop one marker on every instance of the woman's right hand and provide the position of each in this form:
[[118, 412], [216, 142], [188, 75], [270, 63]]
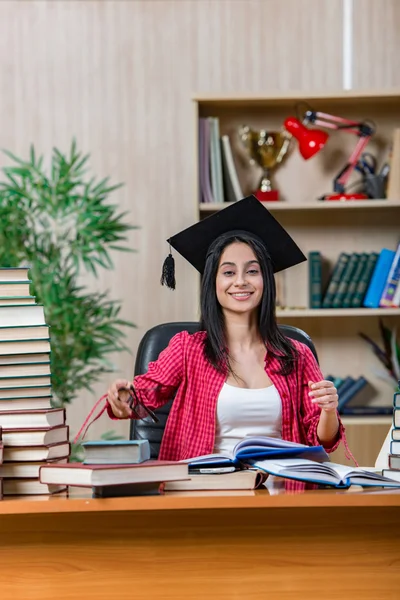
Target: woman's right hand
[[118, 398]]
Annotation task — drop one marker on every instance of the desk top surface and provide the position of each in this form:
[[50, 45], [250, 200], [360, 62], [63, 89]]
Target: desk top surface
[[80, 500]]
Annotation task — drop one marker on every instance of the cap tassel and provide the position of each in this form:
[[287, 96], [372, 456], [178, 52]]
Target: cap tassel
[[168, 272]]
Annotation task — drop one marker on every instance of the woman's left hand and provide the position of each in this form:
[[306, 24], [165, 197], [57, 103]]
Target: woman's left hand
[[324, 394]]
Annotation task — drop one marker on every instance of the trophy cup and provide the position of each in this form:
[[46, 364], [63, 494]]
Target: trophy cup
[[267, 149]]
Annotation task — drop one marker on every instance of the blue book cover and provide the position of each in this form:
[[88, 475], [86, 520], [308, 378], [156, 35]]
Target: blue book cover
[[378, 279]]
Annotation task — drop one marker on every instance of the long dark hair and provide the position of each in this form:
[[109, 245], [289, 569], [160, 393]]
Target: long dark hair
[[212, 319]]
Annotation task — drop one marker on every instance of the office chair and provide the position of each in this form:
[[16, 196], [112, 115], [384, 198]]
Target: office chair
[[152, 343]]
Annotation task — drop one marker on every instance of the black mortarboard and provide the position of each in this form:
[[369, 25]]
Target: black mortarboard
[[245, 215]]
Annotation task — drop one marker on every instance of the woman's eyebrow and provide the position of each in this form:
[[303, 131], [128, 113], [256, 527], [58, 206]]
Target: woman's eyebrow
[[232, 264]]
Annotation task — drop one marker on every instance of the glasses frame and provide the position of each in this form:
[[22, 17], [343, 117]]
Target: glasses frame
[[135, 401]]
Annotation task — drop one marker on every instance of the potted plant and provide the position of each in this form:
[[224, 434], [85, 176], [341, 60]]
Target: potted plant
[[61, 224]]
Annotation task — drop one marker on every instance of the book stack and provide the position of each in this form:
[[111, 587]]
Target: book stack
[[369, 280], [116, 468], [393, 469], [33, 432], [219, 180]]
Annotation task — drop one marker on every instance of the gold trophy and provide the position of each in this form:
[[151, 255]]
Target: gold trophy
[[267, 149]]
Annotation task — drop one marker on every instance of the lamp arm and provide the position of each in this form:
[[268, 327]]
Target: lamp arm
[[363, 130]]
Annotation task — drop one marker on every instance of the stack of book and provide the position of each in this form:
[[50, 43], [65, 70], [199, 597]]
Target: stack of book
[[369, 280], [219, 180], [116, 468], [33, 432], [394, 449]]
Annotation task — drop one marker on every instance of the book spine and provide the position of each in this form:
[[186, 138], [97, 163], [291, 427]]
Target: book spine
[[315, 279], [347, 383], [334, 281], [356, 278], [396, 417], [392, 281], [396, 297], [351, 392], [393, 187], [343, 285], [366, 410], [378, 279], [364, 282], [396, 400]]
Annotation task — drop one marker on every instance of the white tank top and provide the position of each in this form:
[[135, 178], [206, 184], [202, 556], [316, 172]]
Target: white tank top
[[243, 412]]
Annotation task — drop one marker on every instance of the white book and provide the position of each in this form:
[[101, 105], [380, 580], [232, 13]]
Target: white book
[[35, 437], [31, 419], [26, 332], [23, 404], [24, 347], [36, 453], [32, 369], [24, 359], [7, 381], [16, 300], [14, 288], [24, 392], [16, 487], [248, 479], [8, 274], [25, 469], [22, 315]]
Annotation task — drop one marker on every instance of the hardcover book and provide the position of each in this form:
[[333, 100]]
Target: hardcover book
[[249, 450], [31, 419], [246, 479], [333, 474], [36, 437], [102, 452], [78, 474]]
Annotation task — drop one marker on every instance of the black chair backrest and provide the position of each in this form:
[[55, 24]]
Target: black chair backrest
[[152, 343]]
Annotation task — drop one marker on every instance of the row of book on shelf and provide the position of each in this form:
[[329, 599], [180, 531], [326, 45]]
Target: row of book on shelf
[[219, 180], [369, 280]]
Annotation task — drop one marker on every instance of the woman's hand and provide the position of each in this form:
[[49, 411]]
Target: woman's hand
[[324, 394], [118, 398]]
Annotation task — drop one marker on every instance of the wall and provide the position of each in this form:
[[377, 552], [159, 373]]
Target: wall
[[119, 76]]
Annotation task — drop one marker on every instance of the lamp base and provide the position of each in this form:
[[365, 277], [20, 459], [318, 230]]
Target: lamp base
[[344, 197], [270, 196]]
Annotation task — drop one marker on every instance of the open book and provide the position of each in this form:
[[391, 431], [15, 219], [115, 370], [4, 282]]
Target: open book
[[324, 473], [252, 449]]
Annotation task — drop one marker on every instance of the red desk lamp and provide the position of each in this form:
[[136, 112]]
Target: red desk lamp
[[312, 141]]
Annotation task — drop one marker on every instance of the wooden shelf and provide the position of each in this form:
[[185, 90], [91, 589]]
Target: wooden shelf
[[337, 312], [315, 205]]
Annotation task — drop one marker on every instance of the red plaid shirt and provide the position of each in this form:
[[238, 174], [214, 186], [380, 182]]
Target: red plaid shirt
[[190, 430]]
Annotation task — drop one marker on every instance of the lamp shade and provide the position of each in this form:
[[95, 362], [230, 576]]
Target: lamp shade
[[310, 140]]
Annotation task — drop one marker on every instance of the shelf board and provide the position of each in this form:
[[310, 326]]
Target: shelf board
[[367, 420], [314, 205], [271, 99], [289, 313]]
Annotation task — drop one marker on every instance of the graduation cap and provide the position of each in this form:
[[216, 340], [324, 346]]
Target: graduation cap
[[244, 215]]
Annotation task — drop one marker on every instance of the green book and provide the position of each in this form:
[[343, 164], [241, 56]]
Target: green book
[[335, 279], [363, 284], [315, 279], [359, 270], [345, 279]]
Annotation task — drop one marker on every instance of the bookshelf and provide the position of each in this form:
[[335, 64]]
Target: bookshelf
[[330, 227]]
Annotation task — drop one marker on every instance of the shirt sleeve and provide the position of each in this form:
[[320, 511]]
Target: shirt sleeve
[[311, 412], [164, 375]]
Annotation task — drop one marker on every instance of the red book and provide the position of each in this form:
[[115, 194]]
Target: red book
[[78, 474]]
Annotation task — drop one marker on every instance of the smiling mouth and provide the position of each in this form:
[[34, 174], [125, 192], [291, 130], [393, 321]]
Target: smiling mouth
[[241, 295]]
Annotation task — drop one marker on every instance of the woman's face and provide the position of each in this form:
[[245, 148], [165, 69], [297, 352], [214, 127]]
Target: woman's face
[[239, 282]]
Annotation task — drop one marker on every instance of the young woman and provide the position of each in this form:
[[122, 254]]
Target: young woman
[[239, 375]]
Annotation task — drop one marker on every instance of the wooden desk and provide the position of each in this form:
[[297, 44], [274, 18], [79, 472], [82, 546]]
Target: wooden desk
[[321, 544]]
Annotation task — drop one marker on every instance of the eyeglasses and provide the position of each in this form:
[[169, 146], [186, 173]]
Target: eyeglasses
[[139, 410]]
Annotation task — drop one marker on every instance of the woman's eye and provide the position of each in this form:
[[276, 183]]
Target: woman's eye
[[253, 272], [228, 273]]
